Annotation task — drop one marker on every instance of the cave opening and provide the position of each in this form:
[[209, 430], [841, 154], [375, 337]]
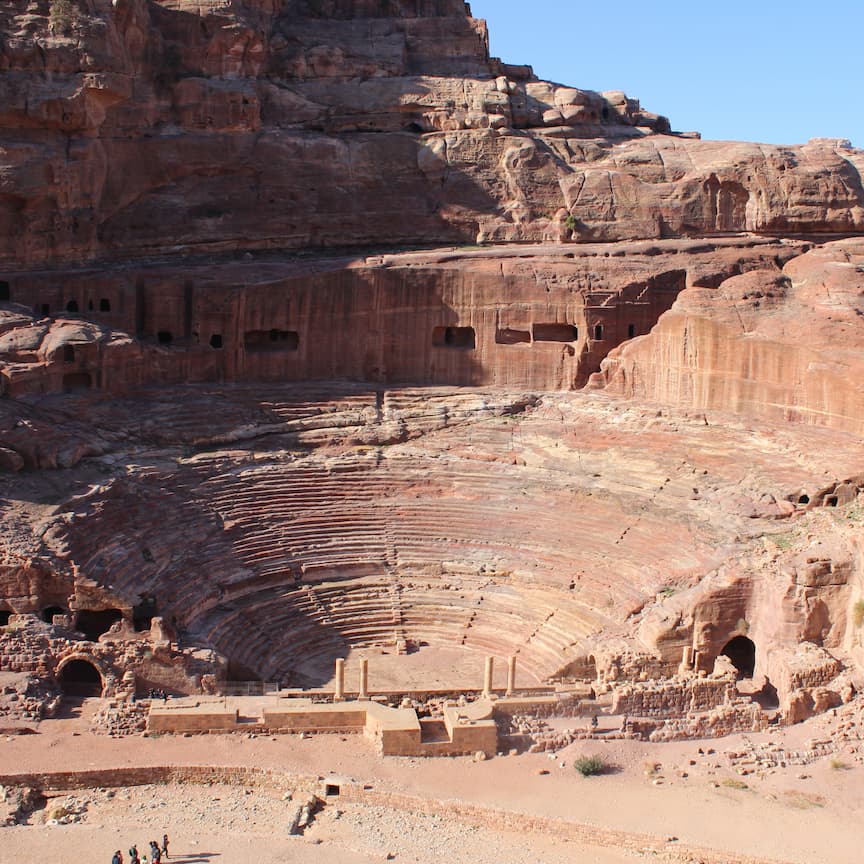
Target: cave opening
[[104, 305], [5, 292], [68, 353], [631, 331], [5, 615], [555, 333], [72, 306], [93, 623], [598, 332], [77, 381], [164, 337], [454, 337], [216, 340], [742, 652], [81, 679], [143, 614], [49, 612]]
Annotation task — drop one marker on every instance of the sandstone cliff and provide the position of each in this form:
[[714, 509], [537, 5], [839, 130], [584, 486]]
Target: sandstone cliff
[[145, 127], [785, 346]]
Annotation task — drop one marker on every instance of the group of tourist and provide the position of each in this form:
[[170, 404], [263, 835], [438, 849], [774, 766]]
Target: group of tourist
[[152, 693], [157, 853]]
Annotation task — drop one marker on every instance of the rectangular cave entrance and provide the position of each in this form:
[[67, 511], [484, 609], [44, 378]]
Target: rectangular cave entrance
[[259, 341], [94, 622], [5, 291], [555, 333], [77, 381], [454, 337]]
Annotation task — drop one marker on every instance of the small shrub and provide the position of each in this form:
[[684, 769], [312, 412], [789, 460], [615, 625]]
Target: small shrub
[[858, 613], [732, 783], [838, 765], [590, 766], [742, 626], [783, 541]]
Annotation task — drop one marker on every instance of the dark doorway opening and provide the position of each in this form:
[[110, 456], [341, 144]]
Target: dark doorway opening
[[631, 331], [454, 337], [77, 381], [81, 679], [555, 333], [163, 337], [94, 623], [598, 332], [46, 309], [5, 615], [216, 340], [742, 652], [104, 305], [72, 306], [49, 612], [143, 614], [68, 353], [5, 293]]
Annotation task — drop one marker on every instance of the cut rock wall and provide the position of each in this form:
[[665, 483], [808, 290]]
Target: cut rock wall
[[783, 347]]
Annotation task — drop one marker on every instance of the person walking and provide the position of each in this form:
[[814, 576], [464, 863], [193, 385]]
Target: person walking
[[117, 858], [165, 845]]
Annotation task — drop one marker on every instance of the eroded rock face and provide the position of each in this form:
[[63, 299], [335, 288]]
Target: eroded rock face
[[533, 317], [707, 529], [784, 346], [141, 127]]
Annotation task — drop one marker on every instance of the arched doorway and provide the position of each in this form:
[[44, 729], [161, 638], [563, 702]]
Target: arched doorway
[[742, 652], [80, 679], [49, 612]]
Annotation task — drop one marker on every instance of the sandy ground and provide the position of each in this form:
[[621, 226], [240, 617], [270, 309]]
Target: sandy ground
[[798, 813]]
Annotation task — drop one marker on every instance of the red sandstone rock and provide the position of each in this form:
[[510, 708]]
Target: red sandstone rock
[[158, 128], [781, 346]]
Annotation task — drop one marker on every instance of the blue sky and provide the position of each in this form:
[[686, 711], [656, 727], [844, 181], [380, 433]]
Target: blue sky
[[776, 72]]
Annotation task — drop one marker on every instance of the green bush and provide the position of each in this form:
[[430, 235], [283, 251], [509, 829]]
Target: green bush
[[590, 766], [858, 613]]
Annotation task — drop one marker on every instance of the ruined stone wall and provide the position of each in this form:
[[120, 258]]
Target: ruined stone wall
[[676, 697]]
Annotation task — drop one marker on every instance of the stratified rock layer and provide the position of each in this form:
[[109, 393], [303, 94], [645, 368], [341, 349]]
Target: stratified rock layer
[[784, 346], [147, 127]]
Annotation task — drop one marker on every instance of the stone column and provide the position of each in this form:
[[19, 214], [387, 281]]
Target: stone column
[[364, 679], [339, 693], [487, 676], [511, 675]]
